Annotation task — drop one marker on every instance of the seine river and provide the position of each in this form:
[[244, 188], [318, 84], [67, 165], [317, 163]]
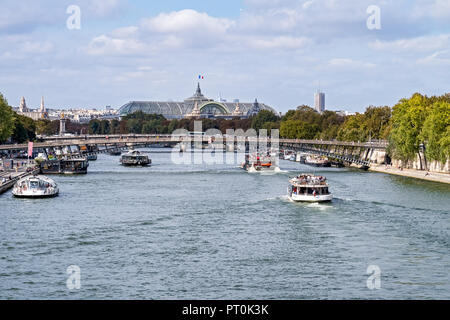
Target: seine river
[[217, 232]]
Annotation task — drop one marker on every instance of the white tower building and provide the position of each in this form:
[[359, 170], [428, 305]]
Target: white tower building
[[42, 108], [319, 101], [23, 105]]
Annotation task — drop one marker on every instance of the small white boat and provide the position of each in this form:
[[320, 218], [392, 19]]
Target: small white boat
[[35, 187], [309, 188]]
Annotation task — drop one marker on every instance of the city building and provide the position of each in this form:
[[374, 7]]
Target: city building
[[196, 106], [345, 113], [319, 101], [34, 114]]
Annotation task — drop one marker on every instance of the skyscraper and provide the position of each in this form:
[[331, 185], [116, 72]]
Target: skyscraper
[[319, 101], [42, 108]]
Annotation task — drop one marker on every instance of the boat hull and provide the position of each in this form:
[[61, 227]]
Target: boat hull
[[135, 164], [311, 198], [35, 196], [318, 164], [253, 169]]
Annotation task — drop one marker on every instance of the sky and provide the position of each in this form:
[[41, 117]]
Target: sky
[[278, 51]]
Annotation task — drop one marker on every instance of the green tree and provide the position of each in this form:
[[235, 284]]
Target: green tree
[[298, 129], [262, 117], [408, 117], [134, 126], [115, 124], [105, 127], [6, 120], [353, 129], [377, 122], [436, 132], [24, 129], [94, 127]]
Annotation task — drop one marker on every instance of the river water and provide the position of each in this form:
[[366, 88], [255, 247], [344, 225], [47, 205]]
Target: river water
[[217, 232]]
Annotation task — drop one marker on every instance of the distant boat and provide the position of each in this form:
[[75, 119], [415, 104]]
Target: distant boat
[[115, 153], [92, 157], [134, 158], [309, 188], [260, 163], [317, 161], [65, 166], [35, 187]]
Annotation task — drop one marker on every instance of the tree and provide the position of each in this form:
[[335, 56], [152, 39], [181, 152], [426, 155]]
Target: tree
[[377, 122], [6, 120], [115, 126], [105, 127], [24, 129], [94, 127], [436, 132], [134, 126], [298, 129], [262, 117], [408, 117], [353, 129]]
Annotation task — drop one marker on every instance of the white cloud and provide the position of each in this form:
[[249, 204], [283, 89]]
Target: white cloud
[[440, 58], [281, 42], [189, 29], [125, 32], [103, 8], [349, 63], [418, 44], [439, 9], [187, 21], [36, 47], [103, 45]]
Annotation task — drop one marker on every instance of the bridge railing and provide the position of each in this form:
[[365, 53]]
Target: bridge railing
[[46, 142]]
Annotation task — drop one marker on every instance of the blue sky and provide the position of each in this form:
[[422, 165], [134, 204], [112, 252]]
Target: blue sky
[[275, 50]]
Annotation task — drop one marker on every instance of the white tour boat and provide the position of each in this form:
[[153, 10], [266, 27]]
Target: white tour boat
[[309, 188], [35, 187]]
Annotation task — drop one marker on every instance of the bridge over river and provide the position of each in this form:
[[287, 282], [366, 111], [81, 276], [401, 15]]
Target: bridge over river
[[359, 153]]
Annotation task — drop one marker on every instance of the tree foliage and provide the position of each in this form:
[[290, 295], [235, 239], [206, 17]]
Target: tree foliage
[[6, 120], [263, 117], [435, 132]]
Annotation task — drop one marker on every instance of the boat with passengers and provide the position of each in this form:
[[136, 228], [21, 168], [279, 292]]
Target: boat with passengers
[[309, 188], [36, 186], [135, 158], [257, 162]]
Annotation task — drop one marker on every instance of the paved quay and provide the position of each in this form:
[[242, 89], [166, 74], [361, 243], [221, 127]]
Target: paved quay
[[8, 177], [418, 174]]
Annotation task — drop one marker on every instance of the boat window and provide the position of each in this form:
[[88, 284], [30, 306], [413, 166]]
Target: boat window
[[34, 184]]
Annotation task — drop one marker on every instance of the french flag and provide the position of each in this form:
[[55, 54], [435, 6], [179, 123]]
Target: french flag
[[200, 77]]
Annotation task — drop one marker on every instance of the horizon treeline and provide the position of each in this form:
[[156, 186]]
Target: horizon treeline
[[413, 123]]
